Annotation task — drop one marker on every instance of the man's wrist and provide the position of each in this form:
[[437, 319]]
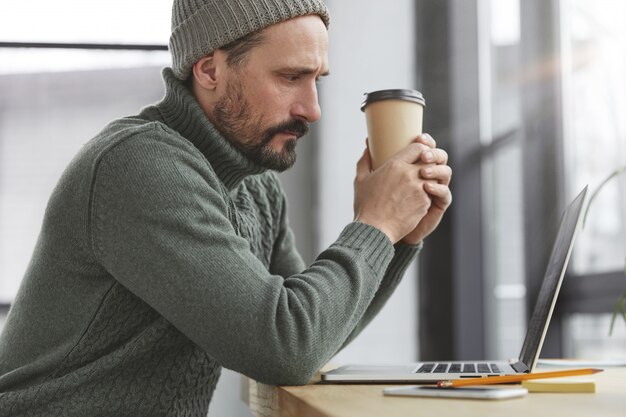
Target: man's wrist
[[377, 226]]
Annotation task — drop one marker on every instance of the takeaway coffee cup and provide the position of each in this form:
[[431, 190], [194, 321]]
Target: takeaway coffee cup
[[394, 120]]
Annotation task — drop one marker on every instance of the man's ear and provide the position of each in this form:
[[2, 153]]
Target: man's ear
[[206, 72]]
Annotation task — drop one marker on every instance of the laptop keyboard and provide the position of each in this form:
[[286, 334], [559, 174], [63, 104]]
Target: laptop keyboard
[[458, 368]]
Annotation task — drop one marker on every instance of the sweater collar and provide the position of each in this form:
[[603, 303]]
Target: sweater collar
[[182, 113]]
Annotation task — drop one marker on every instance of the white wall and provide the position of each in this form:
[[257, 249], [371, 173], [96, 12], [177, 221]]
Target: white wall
[[372, 47]]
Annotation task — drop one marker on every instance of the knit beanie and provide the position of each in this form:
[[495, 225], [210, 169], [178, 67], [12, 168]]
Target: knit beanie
[[201, 26]]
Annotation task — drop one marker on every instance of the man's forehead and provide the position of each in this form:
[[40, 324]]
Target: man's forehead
[[301, 43]]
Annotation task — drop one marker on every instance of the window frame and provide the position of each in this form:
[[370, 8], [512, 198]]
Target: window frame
[[86, 46]]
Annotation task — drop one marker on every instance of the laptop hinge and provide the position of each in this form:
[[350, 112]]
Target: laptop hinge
[[519, 366]]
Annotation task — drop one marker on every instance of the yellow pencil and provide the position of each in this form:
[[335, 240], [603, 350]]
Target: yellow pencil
[[515, 378]]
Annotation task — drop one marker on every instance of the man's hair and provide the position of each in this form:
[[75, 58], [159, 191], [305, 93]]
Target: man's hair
[[237, 51]]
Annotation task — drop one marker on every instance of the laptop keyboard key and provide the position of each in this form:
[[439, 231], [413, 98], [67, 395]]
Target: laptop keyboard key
[[455, 368], [483, 368], [469, 368], [426, 368], [441, 368]]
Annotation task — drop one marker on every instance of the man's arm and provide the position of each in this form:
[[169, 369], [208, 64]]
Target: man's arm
[[404, 255], [286, 261], [434, 173], [161, 227]]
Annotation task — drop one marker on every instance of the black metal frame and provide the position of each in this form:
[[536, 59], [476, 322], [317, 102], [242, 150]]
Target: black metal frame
[[592, 293], [435, 318], [451, 267], [542, 152], [87, 46]]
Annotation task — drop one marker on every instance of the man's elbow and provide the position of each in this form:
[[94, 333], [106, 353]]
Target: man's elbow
[[290, 377], [298, 370]]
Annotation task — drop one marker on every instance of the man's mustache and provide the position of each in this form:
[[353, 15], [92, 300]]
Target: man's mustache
[[297, 126]]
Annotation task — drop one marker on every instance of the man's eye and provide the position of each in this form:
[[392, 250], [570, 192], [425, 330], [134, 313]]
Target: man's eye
[[292, 78]]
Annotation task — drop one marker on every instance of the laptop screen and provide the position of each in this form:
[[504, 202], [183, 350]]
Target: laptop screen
[[555, 271]]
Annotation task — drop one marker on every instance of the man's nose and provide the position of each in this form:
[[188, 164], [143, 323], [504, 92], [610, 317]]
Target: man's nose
[[307, 107]]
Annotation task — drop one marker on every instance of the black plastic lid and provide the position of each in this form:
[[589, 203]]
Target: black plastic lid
[[403, 94]]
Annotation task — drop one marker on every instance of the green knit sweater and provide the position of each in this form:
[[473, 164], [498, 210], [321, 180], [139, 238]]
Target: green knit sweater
[[165, 255]]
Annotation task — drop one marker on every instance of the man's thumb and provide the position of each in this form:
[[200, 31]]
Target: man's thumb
[[364, 165]]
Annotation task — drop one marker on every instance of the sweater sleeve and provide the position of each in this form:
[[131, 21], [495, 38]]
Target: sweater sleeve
[[160, 227], [288, 262], [404, 255]]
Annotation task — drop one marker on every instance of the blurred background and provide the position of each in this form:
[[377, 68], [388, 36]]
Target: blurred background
[[527, 96]]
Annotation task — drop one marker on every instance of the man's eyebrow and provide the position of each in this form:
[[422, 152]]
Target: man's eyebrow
[[304, 71]]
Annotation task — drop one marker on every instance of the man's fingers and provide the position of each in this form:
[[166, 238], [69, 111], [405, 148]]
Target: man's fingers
[[440, 173], [411, 154], [434, 156], [364, 165], [422, 149], [441, 193], [426, 139]]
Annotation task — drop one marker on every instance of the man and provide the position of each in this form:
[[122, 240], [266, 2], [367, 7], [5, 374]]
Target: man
[[166, 254]]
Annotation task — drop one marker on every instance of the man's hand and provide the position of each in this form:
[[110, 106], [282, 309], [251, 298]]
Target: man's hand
[[394, 198], [433, 168]]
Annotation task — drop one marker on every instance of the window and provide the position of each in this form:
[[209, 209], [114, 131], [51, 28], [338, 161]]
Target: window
[[593, 39], [56, 96], [528, 98], [594, 51], [45, 118]]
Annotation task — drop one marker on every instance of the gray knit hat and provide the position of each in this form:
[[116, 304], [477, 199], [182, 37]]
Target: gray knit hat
[[201, 26]]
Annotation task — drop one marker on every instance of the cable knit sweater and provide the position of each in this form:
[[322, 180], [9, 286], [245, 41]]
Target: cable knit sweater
[[165, 255]]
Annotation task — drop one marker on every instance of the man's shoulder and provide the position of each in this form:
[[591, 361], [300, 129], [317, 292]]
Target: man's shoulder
[[139, 131], [131, 136], [137, 148]]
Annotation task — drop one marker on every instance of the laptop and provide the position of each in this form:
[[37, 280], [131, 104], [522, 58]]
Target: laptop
[[537, 327]]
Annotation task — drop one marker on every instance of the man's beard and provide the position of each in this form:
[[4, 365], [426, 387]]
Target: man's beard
[[234, 120]]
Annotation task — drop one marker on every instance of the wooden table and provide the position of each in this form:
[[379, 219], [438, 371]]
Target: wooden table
[[323, 400]]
